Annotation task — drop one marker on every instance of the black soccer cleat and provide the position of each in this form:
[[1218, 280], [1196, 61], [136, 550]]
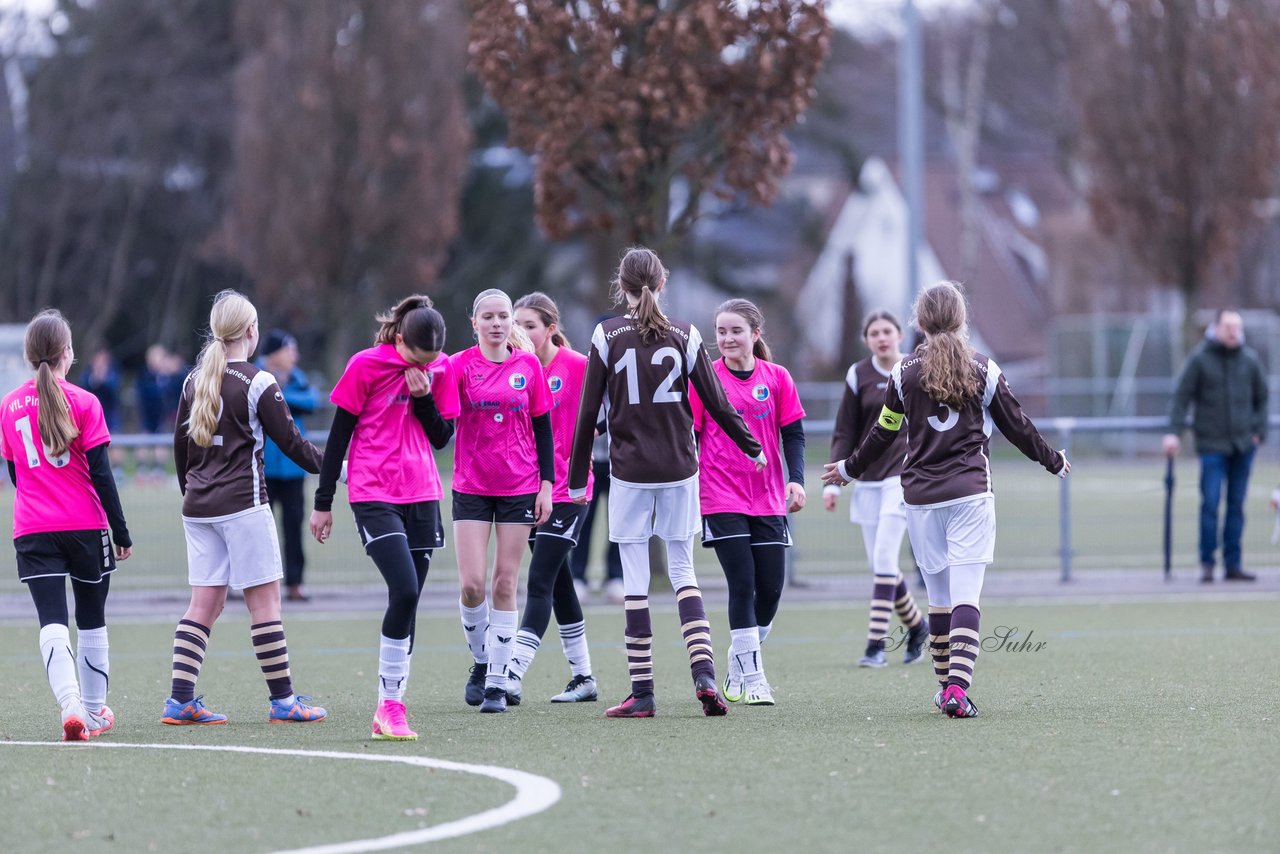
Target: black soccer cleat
[[635, 706], [495, 700], [474, 693], [713, 705], [916, 639]]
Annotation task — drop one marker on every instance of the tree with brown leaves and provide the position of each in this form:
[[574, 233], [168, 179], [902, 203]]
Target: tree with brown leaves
[[351, 143], [634, 109], [1181, 113]]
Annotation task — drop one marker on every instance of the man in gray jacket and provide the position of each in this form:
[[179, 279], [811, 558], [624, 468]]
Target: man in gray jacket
[[1224, 382]]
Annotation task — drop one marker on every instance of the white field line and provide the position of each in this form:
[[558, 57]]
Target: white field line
[[533, 793]]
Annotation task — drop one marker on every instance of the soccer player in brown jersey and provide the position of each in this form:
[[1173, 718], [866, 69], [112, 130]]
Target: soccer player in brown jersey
[[645, 363], [949, 396], [877, 503], [227, 406]]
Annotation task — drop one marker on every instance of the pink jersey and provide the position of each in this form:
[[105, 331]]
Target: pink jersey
[[390, 458], [54, 494], [727, 481], [494, 404], [564, 379]]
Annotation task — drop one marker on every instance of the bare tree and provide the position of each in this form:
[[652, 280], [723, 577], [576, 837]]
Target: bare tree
[[1181, 117], [351, 141], [634, 110]]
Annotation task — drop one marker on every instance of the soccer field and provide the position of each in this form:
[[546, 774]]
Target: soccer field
[[1146, 727]]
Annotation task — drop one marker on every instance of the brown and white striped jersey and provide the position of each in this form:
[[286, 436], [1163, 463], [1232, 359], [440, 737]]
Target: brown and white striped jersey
[[864, 390], [948, 449], [646, 389], [226, 478]]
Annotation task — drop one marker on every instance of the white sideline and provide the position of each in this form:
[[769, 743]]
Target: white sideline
[[533, 793]]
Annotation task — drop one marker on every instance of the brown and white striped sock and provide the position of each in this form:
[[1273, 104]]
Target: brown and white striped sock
[[697, 631], [905, 605], [940, 642], [639, 638], [190, 642], [965, 642], [273, 657], [881, 610]]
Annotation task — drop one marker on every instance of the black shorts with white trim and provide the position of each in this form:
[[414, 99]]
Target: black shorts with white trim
[[419, 523], [497, 509], [565, 522], [84, 555], [762, 530]]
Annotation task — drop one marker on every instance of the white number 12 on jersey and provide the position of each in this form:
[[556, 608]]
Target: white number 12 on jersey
[[663, 393]]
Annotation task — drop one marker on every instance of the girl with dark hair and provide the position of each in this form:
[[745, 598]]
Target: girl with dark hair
[[504, 469], [550, 581], [54, 436], [646, 362], [744, 510], [228, 408], [877, 503], [387, 421], [948, 396]]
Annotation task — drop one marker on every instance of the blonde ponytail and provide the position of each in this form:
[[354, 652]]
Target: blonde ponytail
[[229, 321], [46, 340], [947, 371]]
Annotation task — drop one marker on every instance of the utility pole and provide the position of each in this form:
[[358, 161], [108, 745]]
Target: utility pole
[[911, 137]]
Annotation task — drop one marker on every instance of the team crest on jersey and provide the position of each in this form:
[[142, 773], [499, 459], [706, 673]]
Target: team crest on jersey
[[760, 392], [518, 381], [554, 383]]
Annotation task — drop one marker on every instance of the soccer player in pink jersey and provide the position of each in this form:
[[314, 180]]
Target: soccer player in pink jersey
[[228, 407], [503, 472], [54, 437], [877, 503], [949, 396], [744, 511], [645, 362], [550, 581], [386, 422]]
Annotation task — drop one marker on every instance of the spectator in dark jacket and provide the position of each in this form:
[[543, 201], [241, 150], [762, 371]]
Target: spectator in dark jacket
[[1224, 383], [279, 356]]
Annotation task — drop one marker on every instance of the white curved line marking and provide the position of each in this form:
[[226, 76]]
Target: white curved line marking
[[533, 793]]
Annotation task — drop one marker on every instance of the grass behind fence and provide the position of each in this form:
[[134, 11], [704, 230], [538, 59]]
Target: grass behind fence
[[1116, 522]]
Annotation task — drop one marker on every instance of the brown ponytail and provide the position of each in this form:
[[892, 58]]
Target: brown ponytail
[[640, 275], [751, 313], [47, 338], [947, 371], [415, 320], [547, 312]]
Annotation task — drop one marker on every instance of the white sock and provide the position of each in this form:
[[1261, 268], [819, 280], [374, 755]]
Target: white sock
[[393, 667], [573, 638], [502, 633], [764, 632], [526, 648], [744, 653], [60, 666], [94, 667], [475, 625]]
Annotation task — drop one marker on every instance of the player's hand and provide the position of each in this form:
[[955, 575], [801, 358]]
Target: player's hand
[[1066, 464], [321, 525], [581, 499], [831, 475], [542, 504], [1171, 444], [419, 382], [795, 497], [123, 552]]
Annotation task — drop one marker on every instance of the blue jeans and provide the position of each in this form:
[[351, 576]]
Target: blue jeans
[[1214, 469]]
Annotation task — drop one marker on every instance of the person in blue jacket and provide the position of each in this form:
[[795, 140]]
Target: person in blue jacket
[[279, 356]]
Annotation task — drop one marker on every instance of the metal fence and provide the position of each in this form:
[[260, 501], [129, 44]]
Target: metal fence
[[1107, 515]]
